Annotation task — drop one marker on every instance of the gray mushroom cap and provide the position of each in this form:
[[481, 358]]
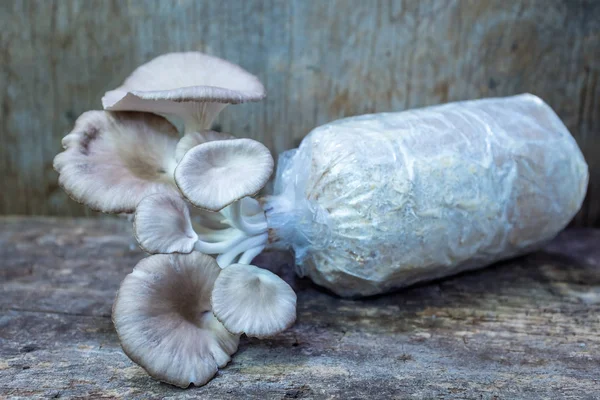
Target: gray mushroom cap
[[213, 175], [254, 301], [192, 85], [162, 224], [113, 160], [163, 317]]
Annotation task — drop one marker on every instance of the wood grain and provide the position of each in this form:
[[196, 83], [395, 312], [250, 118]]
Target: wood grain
[[319, 60], [526, 329]]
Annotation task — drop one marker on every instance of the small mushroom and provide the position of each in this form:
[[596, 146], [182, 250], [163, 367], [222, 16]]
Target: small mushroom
[[251, 300], [215, 174], [162, 224], [162, 315], [193, 86], [113, 160]]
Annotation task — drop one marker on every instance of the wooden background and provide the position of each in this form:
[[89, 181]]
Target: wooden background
[[319, 60]]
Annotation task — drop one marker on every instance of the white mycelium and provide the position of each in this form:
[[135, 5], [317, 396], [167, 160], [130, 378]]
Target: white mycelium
[[377, 202]]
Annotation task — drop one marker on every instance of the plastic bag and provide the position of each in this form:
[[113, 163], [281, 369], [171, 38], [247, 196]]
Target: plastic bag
[[377, 202]]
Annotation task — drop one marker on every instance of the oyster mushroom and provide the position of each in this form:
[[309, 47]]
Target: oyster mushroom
[[215, 174], [254, 301], [162, 315], [162, 224], [193, 86], [113, 160]]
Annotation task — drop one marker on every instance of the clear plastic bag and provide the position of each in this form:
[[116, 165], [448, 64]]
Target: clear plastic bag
[[377, 202]]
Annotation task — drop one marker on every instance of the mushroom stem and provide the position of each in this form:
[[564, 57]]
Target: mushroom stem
[[237, 231], [226, 258], [244, 223], [249, 255], [202, 117], [220, 247], [216, 235]]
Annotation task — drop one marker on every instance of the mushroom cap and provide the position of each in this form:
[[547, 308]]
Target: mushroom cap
[[213, 175], [192, 85], [163, 317], [193, 139], [162, 224], [113, 160], [254, 301]]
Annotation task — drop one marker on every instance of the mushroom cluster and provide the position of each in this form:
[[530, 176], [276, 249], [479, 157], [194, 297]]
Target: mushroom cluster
[[181, 311]]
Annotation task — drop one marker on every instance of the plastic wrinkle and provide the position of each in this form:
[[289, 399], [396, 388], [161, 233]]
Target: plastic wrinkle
[[377, 202]]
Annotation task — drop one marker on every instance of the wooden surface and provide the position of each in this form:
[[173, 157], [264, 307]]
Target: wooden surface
[[319, 60], [527, 329]]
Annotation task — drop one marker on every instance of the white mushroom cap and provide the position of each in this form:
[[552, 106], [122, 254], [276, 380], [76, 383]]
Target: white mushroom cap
[[214, 174], [163, 317], [254, 301], [193, 139], [193, 86], [162, 224], [113, 160]]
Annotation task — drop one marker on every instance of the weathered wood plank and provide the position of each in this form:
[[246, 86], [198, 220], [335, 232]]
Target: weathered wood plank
[[320, 60], [526, 329]]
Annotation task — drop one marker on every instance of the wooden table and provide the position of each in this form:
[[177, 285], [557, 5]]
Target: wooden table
[[526, 329]]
